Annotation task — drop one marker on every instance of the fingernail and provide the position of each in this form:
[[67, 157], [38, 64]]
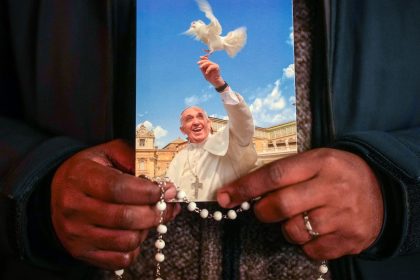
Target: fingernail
[[223, 199]]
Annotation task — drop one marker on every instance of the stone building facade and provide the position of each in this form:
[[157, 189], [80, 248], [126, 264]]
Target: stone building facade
[[271, 143]]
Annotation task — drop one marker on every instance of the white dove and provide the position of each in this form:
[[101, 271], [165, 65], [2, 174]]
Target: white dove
[[209, 34]]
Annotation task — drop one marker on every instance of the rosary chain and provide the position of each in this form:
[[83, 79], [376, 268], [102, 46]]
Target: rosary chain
[[204, 213]]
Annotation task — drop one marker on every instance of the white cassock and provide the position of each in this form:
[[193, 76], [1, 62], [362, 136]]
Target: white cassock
[[223, 157]]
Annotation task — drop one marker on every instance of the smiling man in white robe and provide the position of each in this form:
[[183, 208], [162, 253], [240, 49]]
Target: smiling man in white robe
[[211, 160]]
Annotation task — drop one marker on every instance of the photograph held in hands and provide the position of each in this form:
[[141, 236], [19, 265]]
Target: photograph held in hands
[[210, 110]]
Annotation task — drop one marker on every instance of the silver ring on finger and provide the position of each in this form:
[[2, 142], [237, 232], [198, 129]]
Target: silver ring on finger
[[308, 225]]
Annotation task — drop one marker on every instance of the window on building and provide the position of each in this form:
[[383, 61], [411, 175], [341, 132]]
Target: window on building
[[142, 165], [142, 142]]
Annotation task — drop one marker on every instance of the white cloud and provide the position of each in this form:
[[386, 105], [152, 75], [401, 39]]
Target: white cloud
[[289, 71], [141, 115], [148, 125], [191, 100], [271, 107], [256, 106], [275, 101], [272, 101], [292, 100], [195, 99], [291, 39], [157, 130], [285, 115], [160, 132]]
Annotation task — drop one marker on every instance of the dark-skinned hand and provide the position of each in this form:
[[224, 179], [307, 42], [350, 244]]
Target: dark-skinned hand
[[338, 190], [101, 212]]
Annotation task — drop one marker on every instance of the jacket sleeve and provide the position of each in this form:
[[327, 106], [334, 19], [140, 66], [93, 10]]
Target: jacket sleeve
[[241, 123], [373, 64], [28, 161], [43, 98], [395, 158]]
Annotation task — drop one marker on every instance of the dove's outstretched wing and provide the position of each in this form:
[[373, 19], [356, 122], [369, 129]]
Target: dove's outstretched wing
[[234, 41], [214, 25]]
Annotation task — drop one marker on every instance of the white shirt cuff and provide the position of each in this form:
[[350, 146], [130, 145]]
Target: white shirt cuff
[[229, 97]]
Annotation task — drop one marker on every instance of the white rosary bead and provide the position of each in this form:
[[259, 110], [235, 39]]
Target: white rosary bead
[[161, 205], [191, 206], [162, 229], [217, 216], [119, 272], [181, 195], [323, 268], [204, 213], [232, 214], [245, 205], [160, 244], [159, 257]]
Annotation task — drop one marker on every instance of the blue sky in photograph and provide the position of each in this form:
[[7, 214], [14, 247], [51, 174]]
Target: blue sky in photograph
[[168, 77]]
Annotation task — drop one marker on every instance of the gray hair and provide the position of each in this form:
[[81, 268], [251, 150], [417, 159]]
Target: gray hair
[[193, 106]]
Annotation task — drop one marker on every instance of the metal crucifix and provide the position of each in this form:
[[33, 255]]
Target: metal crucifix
[[196, 185]]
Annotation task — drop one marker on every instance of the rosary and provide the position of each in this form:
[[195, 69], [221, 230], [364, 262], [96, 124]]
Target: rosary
[[204, 213]]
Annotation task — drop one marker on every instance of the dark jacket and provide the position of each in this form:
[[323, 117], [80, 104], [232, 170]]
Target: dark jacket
[[67, 82], [371, 101]]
